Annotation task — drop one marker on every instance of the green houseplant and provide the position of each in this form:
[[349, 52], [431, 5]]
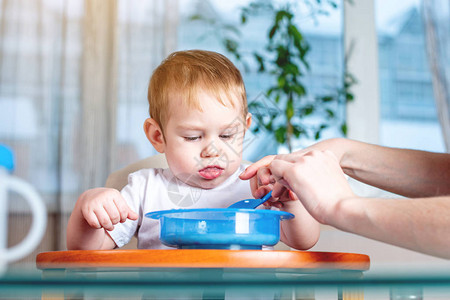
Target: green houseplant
[[284, 58]]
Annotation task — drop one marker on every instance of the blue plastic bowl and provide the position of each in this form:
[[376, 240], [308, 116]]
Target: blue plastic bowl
[[219, 228]]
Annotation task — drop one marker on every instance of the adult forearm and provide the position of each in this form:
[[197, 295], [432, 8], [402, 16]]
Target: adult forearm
[[410, 173], [418, 224]]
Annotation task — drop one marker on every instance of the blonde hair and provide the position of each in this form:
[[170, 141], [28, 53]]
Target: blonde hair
[[186, 73]]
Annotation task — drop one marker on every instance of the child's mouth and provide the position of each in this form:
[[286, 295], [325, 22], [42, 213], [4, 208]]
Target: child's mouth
[[211, 172]]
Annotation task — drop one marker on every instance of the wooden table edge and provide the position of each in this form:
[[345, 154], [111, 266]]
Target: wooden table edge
[[202, 258]]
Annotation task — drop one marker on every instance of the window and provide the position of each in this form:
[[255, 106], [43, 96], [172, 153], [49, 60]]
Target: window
[[408, 111], [323, 33]]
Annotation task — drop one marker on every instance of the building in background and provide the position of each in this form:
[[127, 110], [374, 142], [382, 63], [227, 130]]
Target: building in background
[[408, 110], [405, 78]]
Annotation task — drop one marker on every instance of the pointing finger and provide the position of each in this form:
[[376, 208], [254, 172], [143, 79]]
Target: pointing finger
[[251, 170]]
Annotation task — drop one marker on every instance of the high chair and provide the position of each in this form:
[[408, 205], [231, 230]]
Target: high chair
[[119, 178], [201, 267]]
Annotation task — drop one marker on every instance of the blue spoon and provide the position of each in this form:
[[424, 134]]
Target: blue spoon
[[251, 203]]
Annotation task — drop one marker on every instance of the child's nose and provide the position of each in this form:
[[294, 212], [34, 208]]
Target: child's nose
[[210, 151]]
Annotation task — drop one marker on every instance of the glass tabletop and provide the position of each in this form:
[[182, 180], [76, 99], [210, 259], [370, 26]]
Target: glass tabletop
[[217, 283]]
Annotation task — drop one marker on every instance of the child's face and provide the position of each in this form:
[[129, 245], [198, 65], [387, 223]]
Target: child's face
[[203, 148]]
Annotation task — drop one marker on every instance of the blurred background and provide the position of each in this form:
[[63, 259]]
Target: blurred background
[[74, 75]]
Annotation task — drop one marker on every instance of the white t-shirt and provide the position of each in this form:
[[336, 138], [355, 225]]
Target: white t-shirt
[[158, 189]]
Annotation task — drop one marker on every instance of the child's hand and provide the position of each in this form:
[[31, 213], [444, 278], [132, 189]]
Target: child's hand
[[280, 201], [261, 182], [104, 207]]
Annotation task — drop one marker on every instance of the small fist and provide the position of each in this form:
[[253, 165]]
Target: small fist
[[104, 207]]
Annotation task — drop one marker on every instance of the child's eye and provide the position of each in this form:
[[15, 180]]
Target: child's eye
[[191, 138], [226, 136]]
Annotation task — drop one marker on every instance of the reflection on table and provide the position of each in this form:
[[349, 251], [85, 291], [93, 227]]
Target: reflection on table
[[204, 274], [219, 283]]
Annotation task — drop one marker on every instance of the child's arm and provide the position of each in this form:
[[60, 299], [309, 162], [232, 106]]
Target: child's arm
[[301, 232], [96, 211]]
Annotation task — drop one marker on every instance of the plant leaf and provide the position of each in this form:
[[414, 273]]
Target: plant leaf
[[317, 135], [260, 61], [295, 33], [272, 31], [280, 135], [330, 113], [344, 129], [349, 96], [289, 109]]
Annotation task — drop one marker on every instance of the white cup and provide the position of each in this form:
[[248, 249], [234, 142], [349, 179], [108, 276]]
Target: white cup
[[37, 230]]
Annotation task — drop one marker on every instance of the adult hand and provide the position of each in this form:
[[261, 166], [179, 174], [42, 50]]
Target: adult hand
[[261, 181], [315, 177], [258, 174]]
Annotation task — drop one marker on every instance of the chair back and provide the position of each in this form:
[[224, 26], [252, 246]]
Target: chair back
[[119, 178]]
